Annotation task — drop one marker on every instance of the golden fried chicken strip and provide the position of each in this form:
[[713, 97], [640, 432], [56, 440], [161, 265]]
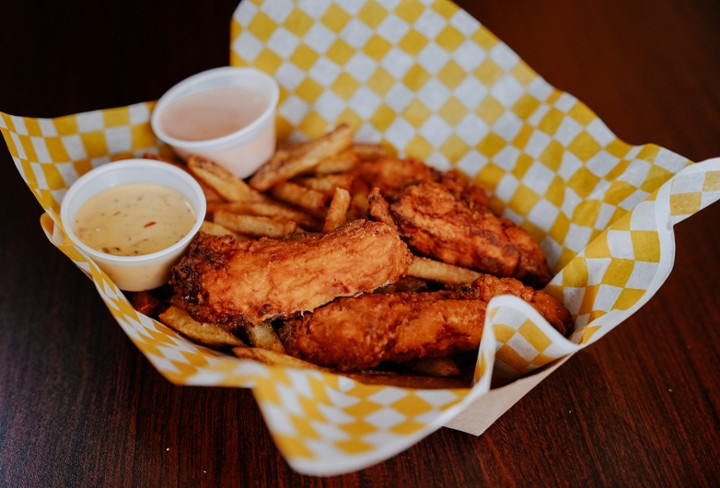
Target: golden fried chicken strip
[[436, 222], [226, 281], [361, 332], [391, 174]]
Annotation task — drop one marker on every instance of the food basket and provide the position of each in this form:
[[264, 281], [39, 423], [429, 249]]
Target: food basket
[[427, 79]]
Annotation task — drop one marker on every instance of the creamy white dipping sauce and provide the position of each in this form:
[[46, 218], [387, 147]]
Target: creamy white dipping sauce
[[134, 219]]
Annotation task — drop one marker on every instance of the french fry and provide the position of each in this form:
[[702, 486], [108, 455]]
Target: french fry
[[358, 206], [306, 198], [405, 283], [337, 211], [273, 358], [288, 145], [229, 186], [210, 194], [254, 225], [264, 337], [288, 163], [270, 173], [342, 162], [265, 209], [213, 228], [429, 269], [211, 335], [158, 157], [369, 151], [439, 367]]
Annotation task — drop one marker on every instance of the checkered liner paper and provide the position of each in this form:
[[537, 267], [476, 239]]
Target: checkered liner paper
[[429, 80]]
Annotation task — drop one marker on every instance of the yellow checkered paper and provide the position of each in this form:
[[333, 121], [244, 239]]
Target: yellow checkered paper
[[426, 78]]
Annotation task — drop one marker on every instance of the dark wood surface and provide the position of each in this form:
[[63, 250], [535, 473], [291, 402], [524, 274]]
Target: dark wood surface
[[80, 406]]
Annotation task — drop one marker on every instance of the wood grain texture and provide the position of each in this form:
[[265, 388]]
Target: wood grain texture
[[80, 406]]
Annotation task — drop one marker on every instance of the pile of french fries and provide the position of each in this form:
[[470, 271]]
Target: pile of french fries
[[304, 187]]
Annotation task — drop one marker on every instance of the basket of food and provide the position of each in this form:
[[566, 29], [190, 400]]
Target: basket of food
[[410, 230]]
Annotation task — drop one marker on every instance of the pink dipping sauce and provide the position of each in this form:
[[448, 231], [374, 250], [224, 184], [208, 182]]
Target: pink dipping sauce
[[212, 114]]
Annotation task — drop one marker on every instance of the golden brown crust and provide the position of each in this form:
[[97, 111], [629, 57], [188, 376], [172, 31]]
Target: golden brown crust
[[391, 174], [487, 286], [362, 332], [458, 230], [222, 280]]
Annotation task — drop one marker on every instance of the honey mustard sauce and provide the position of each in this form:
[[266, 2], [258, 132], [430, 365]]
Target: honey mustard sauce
[[134, 219]]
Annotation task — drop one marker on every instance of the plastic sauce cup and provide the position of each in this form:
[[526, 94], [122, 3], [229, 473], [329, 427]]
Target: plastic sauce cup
[[141, 272], [224, 114]]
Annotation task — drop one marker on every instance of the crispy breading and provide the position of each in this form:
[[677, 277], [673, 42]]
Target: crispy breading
[[364, 331], [436, 222], [391, 174], [223, 280]]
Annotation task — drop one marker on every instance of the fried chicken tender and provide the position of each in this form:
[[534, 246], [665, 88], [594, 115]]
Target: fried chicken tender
[[436, 219], [361, 332], [227, 281], [391, 175]]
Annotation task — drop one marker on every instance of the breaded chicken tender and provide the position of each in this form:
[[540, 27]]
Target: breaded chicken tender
[[391, 175], [232, 282], [361, 332], [437, 220]]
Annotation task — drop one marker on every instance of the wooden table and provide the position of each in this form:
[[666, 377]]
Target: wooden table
[[80, 406]]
